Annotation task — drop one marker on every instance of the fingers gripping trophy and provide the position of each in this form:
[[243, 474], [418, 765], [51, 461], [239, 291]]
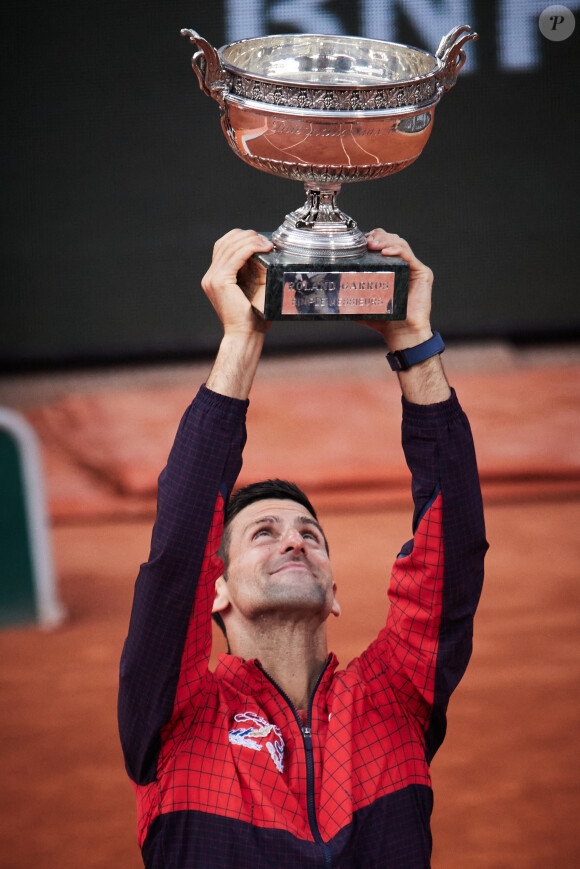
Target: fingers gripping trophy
[[326, 110]]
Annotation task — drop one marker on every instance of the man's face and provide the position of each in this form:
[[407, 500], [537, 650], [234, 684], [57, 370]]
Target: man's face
[[278, 563]]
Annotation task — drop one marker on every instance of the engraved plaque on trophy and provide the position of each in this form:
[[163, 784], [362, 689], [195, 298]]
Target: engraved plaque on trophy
[[326, 110]]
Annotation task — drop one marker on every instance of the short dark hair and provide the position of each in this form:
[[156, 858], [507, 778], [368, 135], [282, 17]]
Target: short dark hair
[[281, 489], [241, 498]]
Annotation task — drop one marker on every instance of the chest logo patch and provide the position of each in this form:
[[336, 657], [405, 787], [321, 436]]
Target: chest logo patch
[[254, 732]]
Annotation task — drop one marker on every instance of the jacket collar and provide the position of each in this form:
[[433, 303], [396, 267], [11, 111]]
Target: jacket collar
[[249, 677]]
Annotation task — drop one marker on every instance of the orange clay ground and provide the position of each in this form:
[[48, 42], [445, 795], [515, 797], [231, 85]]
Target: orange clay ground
[[506, 778]]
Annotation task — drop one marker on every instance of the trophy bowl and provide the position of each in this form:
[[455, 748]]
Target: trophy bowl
[[325, 110]]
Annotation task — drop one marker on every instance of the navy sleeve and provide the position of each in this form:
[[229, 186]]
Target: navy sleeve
[[421, 653], [440, 453], [202, 468]]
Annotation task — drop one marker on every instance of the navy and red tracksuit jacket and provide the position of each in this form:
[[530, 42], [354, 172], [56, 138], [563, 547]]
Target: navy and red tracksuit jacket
[[227, 773]]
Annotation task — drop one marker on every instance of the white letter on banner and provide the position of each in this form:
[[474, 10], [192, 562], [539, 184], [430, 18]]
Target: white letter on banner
[[305, 16], [244, 19], [377, 20], [248, 18], [432, 19]]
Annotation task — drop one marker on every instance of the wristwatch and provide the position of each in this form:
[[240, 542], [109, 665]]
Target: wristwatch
[[401, 360]]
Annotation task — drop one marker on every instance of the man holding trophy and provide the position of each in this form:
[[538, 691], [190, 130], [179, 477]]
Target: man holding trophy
[[277, 758]]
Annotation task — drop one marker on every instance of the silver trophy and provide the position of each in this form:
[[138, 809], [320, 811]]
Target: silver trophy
[[326, 110]]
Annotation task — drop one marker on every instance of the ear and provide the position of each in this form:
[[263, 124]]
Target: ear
[[336, 610], [221, 600]]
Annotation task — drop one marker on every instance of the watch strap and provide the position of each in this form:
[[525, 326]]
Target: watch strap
[[401, 360]]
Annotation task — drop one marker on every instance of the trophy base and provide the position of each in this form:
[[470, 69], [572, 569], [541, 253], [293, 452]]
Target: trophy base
[[285, 286]]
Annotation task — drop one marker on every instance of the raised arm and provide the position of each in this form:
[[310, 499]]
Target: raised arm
[[243, 339], [424, 383], [164, 661], [420, 656]]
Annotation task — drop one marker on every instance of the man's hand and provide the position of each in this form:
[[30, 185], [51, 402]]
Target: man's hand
[[400, 334], [220, 282], [424, 383], [240, 349]]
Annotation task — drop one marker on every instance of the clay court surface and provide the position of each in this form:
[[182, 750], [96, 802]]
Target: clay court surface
[[506, 778]]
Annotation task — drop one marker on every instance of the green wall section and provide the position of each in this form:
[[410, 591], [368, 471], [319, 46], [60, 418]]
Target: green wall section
[[17, 590]]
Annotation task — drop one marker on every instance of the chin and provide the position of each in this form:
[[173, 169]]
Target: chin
[[293, 597]]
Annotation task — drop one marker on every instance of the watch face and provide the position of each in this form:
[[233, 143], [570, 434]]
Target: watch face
[[397, 361]]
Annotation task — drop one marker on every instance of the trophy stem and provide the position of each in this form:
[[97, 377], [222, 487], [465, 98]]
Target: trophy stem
[[319, 227]]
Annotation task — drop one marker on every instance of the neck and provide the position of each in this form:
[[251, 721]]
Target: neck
[[293, 655]]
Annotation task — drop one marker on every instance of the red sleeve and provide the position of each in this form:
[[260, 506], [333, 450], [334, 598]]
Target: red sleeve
[[419, 657]]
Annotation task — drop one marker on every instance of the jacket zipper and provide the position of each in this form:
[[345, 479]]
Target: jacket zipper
[[306, 731]]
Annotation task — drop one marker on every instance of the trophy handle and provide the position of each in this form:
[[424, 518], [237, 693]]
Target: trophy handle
[[207, 67], [451, 54]]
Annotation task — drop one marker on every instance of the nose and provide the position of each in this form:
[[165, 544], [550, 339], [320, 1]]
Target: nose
[[293, 541]]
